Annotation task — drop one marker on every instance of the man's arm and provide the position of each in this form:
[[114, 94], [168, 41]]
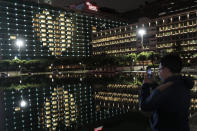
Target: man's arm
[[149, 102]]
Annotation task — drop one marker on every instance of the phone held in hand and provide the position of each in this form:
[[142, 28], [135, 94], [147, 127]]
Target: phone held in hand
[[149, 72]]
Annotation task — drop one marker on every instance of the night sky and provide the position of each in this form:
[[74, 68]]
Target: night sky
[[119, 5]]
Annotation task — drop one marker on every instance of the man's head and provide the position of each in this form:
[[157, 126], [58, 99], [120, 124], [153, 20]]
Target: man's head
[[169, 65]]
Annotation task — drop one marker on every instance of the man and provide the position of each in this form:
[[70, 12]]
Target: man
[[169, 102]]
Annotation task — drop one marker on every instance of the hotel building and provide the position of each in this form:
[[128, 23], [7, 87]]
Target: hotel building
[[177, 32], [46, 30], [123, 40]]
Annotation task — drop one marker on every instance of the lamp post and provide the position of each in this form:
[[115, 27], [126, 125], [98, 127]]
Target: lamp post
[[142, 32], [19, 43], [23, 103]]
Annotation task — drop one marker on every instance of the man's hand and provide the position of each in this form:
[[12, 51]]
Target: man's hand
[[148, 80]]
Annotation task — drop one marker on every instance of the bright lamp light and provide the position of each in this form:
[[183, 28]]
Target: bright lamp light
[[142, 32], [23, 103], [19, 43]]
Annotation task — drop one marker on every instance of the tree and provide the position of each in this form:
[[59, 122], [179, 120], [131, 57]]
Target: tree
[[131, 58], [154, 57], [142, 57]]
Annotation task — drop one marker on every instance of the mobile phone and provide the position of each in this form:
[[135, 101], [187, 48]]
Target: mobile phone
[[149, 72]]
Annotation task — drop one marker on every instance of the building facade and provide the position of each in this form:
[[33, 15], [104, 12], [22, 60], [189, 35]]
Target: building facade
[[177, 33], [124, 40], [46, 30], [171, 33]]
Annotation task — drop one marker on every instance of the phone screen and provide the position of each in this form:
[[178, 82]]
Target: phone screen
[[149, 72]]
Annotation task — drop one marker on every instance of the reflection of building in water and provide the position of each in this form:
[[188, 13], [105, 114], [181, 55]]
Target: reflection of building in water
[[115, 100], [58, 108], [118, 95], [22, 108], [53, 106], [193, 106], [127, 96], [195, 86]]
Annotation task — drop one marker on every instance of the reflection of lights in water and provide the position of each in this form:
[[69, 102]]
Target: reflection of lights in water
[[17, 109], [23, 103], [61, 107]]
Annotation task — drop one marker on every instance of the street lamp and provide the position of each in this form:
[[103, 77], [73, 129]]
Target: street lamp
[[23, 103], [19, 43], [142, 32]]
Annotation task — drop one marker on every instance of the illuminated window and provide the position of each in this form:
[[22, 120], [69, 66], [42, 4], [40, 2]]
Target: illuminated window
[[62, 32], [62, 36], [46, 12], [37, 15], [50, 21], [63, 49], [50, 40], [62, 23], [68, 24], [57, 31], [50, 26], [62, 19], [57, 40], [69, 41], [61, 14], [43, 21], [51, 49], [12, 37], [42, 16], [48, 125], [38, 34], [50, 31], [44, 39], [56, 27], [37, 29], [62, 27], [56, 23], [68, 20], [50, 35], [63, 40], [43, 30], [43, 25], [69, 33], [51, 44], [35, 24], [49, 17], [43, 34], [44, 44]]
